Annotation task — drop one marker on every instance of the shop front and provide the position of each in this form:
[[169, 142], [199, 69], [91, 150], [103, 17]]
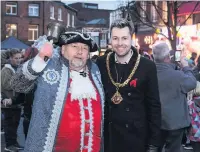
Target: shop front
[[144, 39]]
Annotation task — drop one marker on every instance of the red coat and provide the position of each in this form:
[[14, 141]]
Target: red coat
[[80, 126]]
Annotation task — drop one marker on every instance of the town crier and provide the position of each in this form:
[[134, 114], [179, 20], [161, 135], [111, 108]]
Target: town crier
[[68, 103]]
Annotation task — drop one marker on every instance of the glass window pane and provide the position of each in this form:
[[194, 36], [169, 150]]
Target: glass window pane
[[11, 30], [30, 11], [36, 12], [8, 9], [14, 10], [30, 35], [8, 31], [13, 26], [14, 33], [35, 35]]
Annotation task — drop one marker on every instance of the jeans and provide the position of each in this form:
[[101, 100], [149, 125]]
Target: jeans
[[11, 122]]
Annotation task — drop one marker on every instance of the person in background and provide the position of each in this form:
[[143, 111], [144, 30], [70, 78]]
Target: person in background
[[5, 54], [196, 69], [194, 111], [10, 101], [173, 87], [194, 56]]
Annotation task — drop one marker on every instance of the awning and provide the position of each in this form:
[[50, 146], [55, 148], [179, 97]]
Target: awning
[[188, 7], [12, 42]]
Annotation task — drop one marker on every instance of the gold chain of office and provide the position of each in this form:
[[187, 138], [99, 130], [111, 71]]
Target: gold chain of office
[[117, 98]]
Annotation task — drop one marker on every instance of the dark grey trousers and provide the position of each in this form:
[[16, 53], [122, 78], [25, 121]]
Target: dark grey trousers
[[195, 146], [171, 140]]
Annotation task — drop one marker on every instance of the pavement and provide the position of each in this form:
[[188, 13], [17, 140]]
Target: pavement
[[21, 138]]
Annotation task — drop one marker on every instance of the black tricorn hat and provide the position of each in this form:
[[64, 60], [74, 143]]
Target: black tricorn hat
[[73, 37]]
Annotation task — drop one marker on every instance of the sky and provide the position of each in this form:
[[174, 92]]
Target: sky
[[103, 4]]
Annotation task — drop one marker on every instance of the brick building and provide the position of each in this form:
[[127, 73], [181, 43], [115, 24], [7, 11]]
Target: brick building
[[27, 20]]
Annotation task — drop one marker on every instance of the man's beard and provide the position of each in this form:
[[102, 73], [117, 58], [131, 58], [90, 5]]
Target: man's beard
[[77, 63]]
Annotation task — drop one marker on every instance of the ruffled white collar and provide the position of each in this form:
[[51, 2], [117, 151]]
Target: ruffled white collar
[[81, 87]]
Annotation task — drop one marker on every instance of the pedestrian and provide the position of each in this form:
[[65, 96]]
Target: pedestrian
[[5, 55], [194, 111], [132, 108], [68, 104], [173, 87], [10, 102]]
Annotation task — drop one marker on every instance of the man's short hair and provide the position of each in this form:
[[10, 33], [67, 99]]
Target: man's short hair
[[160, 51], [121, 23], [14, 51]]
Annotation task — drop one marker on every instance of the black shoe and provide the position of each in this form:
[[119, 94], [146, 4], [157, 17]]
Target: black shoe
[[188, 147], [11, 148], [18, 147]]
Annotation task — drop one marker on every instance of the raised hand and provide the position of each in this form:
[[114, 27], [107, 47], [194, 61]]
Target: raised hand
[[46, 51]]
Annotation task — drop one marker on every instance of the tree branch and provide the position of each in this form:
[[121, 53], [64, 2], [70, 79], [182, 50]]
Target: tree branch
[[159, 14], [189, 16]]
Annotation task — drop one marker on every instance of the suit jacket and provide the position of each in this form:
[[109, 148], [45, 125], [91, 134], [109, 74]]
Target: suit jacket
[[135, 122], [173, 87]]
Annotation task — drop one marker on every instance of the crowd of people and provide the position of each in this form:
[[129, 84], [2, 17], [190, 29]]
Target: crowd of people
[[125, 100]]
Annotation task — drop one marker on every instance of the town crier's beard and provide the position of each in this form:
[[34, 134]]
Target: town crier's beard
[[77, 54], [77, 63]]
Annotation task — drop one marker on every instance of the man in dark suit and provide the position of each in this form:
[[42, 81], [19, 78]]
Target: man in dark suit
[[132, 108]]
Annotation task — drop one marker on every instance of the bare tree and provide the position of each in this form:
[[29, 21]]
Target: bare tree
[[141, 14]]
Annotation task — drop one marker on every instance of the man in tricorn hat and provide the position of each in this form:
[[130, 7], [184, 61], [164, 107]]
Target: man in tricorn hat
[[69, 99]]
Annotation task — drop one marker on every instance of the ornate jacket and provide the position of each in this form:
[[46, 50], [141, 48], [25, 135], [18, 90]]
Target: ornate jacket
[[52, 82]]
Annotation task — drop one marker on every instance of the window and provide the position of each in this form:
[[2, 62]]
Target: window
[[60, 14], [11, 8], [68, 19], [33, 10], [72, 20], [154, 12], [32, 32], [90, 6], [103, 36], [11, 30], [52, 12], [164, 7], [143, 11]]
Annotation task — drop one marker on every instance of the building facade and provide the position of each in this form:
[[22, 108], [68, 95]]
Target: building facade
[[94, 21], [148, 18], [27, 20]]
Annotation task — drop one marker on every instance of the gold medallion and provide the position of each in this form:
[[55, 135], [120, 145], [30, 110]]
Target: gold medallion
[[117, 98]]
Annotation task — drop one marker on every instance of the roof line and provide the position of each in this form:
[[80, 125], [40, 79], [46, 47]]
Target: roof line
[[67, 6]]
